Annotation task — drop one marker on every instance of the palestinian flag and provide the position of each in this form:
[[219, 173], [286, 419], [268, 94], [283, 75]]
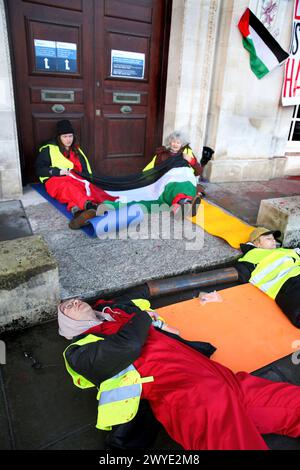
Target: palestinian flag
[[265, 52], [164, 184]]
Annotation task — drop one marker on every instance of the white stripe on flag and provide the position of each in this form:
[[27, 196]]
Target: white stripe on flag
[[263, 52], [154, 190]]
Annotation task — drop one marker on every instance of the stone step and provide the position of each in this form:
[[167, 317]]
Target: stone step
[[282, 214]]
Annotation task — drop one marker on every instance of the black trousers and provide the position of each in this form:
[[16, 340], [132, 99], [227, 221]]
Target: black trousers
[[288, 299]]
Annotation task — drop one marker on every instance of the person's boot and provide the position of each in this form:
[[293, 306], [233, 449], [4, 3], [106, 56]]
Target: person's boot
[[186, 207], [181, 209], [195, 205], [80, 218]]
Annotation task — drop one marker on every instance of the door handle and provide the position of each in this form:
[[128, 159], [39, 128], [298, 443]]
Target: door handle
[[126, 109], [58, 108]]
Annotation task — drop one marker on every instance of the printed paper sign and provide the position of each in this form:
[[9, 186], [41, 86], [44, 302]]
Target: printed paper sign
[[66, 57], [45, 55], [126, 64], [54, 56]]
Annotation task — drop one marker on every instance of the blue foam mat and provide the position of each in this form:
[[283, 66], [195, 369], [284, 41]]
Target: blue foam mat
[[109, 222], [40, 188]]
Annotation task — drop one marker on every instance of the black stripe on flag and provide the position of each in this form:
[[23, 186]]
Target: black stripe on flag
[[267, 37]]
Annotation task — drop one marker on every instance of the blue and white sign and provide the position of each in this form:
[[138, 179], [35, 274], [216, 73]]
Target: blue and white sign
[[54, 56], [45, 55], [126, 64], [66, 57]]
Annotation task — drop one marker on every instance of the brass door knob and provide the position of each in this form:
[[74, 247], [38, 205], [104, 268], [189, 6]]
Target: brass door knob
[[126, 109]]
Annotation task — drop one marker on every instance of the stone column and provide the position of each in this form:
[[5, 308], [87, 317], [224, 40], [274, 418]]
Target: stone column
[[10, 173], [191, 57]]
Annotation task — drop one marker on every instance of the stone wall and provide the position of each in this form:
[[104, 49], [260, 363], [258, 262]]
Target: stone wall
[[10, 175]]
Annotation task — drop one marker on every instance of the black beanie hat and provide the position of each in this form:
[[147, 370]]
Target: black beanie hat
[[64, 127]]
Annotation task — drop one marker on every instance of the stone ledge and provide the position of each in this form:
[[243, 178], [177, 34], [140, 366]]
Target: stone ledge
[[282, 214], [29, 283]]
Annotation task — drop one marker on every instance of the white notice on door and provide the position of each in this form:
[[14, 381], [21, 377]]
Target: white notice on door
[[125, 64]]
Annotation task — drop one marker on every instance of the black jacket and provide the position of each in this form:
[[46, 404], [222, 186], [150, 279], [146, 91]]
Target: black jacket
[[244, 268], [43, 166]]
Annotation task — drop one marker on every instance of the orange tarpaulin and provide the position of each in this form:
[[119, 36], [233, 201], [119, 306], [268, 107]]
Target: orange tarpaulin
[[247, 327]]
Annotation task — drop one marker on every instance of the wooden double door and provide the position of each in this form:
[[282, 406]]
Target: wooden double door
[[99, 63]]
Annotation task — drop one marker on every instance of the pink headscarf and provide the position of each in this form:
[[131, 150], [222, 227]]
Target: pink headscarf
[[70, 328]]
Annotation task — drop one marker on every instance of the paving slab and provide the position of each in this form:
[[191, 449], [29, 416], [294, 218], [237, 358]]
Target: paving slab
[[13, 221], [45, 406], [5, 432]]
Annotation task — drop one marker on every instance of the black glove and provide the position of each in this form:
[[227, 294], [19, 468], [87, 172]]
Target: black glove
[[207, 154], [54, 171]]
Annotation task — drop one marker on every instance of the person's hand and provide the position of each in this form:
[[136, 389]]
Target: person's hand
[[64, 172], [154, 315], [163, 326], [170, 329]]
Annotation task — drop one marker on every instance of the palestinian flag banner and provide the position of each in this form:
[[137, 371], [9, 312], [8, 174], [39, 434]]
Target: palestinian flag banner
[[164, 190], [265, 52], [172, 179]]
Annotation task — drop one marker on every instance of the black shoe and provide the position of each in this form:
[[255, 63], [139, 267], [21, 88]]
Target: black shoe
[[181, 209], [195, 204], [90, 205]]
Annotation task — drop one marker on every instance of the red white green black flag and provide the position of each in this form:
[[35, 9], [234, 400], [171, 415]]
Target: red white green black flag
[[265, 52]]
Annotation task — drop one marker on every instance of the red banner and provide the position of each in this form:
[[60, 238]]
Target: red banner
[[291, 82]]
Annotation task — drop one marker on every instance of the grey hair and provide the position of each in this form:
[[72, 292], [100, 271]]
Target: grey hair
[[174, 136]]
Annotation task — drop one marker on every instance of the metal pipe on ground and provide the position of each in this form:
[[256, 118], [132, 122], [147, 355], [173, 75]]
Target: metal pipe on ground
[[185, 282]]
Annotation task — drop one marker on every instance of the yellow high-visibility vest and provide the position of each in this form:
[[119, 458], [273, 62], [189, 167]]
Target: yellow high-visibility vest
[[273, 268], [118, 397], [58, 160], [187, 150]]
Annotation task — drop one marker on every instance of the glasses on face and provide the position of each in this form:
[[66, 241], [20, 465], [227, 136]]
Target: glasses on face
[[68, 305]]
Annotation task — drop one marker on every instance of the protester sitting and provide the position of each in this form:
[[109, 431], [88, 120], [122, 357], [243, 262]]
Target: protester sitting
[[275, 271], [58, 163], [176, 144], [200, 403]]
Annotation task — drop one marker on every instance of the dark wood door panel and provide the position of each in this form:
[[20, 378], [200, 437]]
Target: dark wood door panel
[[43, 123], [65, 4], [55, 94], [50, 31], [124, 143], [139, 10]]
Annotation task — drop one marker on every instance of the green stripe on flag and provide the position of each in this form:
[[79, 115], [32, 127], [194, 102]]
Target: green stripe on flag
[[257, 66], [169, 193]]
